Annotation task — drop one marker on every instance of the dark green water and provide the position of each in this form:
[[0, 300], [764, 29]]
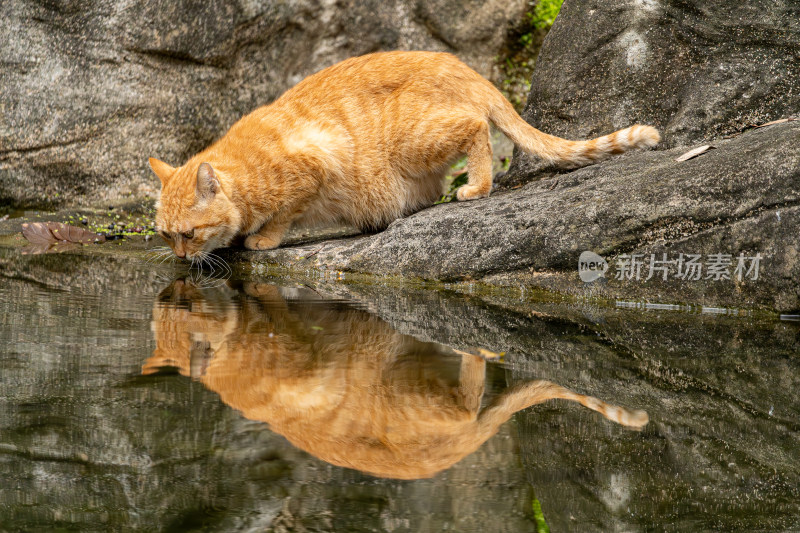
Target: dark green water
[[130, 401]]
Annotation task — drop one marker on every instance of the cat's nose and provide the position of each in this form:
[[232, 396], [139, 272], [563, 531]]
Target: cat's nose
[[180, 253]]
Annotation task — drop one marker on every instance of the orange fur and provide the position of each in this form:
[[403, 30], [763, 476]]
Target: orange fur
[[364, 142], [340, 383]]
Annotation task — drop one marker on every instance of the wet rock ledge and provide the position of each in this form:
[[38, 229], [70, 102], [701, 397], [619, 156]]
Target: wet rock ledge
[[740, 199]]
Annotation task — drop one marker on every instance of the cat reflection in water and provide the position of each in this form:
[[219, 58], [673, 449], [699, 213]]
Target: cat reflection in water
[[339, 382]]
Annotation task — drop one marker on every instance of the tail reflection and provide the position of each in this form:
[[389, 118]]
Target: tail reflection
[[339, 382]]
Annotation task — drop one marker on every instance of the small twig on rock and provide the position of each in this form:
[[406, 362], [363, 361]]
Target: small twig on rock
[[779, 121], [315, 252], [695, 152]]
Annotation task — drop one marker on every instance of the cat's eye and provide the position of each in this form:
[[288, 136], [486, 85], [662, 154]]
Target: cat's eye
[[166, 235], [188, 234]]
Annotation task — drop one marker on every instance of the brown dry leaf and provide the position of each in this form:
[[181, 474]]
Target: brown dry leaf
[[47, 233], [64, 232], [695, 152], [38, 233], [48, 248], [35, 249]]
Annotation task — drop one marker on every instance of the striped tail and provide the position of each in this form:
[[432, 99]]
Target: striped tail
[[536, 392], [564, 153]]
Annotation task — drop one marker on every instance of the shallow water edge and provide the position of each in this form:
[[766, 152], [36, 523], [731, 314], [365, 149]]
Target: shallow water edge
[[719, 452]]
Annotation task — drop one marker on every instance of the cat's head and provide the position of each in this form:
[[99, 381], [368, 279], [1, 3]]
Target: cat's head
[[194, 213]]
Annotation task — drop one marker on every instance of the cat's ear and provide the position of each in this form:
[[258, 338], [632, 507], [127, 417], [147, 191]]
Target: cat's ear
[[161, 169], [207, 182]]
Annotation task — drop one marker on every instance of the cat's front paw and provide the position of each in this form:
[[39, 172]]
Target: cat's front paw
[[259, 242], [471, 192]]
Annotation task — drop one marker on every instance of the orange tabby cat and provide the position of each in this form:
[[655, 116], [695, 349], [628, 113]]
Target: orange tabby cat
[[363, 142], [339, 382]]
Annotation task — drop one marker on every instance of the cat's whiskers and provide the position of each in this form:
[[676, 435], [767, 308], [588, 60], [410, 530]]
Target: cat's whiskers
[[159, 255], [198, 263], [164, 256], [202, 281], [215, 260], [156, 252], [202, 261], [167, 256]]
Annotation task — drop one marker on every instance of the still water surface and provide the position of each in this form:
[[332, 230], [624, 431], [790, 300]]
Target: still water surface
[[135, 398]]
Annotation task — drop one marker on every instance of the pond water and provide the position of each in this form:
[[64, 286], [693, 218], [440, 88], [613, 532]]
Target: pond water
[[139, 397]]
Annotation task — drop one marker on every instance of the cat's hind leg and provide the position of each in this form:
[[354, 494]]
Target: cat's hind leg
[[479, 164]]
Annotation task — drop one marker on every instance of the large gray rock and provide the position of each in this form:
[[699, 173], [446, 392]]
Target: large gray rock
[[90, 90], [696, 69], [741, 198]]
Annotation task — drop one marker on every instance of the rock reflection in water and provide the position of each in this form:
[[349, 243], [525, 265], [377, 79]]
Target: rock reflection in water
[[339, 382]]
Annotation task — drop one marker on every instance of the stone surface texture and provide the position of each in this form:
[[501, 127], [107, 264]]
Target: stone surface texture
[[697, 70]]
